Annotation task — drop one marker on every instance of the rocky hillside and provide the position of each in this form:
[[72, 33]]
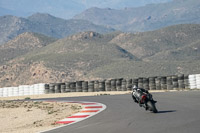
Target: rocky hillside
[[23, 44], [90, 56], [11, 26], [66, 59], [179, 42], [149, 17]]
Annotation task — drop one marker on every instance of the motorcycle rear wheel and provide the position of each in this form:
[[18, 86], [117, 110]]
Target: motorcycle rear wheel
[[152, 106]]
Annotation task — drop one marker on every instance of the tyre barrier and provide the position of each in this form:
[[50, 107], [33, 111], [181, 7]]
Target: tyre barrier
[[120, 84], [140, 82], [169, 83], [62, 88], [73, 86], [113, 85], [96, 86], [57, 88], [46, 87], [163, 83], [152, 83], [186, 81], [124, 87], [108, 85], [135, 82], [175, 82], [181, 81], [91, 86], [146, 83], [158, 83], [102, 85], [67, 87], [79, 86], [129, 84], [85, 86], [51, 88]]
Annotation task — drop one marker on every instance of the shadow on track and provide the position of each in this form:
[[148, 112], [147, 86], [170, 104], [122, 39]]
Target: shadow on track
[[166, 111]]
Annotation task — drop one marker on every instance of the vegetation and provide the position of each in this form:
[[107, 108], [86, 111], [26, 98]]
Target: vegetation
[[90, 55], [23, 44]]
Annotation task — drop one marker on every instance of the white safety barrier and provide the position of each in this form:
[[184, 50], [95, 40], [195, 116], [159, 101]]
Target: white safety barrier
[[194, 81], [198, 81], [23, 90], [15, 91]]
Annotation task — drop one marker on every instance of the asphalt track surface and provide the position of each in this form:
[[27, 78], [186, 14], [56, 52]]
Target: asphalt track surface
[[179, 112]]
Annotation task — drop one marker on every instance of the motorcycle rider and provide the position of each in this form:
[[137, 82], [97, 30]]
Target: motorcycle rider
[[139, 92]]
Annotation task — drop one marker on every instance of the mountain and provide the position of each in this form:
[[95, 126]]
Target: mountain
[[66, 59], [168, 51], [66, 8], [11, 26], [90, 56], [23, 44], [146, 18], [166, 43], [189, 52]]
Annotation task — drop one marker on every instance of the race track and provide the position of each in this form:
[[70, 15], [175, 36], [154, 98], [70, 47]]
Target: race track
[[179, 112]]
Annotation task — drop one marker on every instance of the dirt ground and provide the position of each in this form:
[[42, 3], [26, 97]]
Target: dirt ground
[[32, 116]]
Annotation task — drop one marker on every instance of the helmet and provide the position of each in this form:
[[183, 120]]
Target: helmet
[[134, 87]]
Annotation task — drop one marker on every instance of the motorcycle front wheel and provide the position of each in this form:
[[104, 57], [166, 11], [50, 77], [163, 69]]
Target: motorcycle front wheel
[[152, 106]]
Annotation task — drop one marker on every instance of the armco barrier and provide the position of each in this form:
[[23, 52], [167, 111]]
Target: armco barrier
[[119, 84]]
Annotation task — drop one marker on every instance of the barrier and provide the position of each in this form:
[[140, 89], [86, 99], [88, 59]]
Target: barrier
[[120, 84], [102, 85], [113, 85], [186, 81], [146, 83], [85, 86], [158, 83], [124, 87], [67, 85], [169, 83], [181, 81], [192, 82], [152, 83], [96, 86], [108, 85], [92, 85], [1, 92], [197, 81], [175, 81], [129, 84]]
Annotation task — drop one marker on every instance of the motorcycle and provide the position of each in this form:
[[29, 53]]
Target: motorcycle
[[144, 99]]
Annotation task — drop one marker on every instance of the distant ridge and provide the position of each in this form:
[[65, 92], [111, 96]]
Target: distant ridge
[[146, 18], [65, 9], [11, 26]]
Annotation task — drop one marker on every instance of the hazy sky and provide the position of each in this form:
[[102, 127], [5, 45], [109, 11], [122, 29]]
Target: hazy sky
[[68, 8]]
